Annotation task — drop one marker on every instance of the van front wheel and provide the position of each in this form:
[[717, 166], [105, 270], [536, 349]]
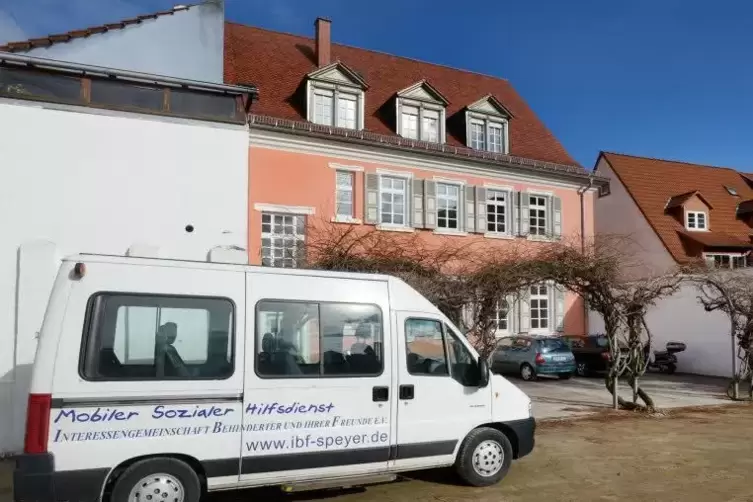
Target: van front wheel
[[157, 479], [484, 457]]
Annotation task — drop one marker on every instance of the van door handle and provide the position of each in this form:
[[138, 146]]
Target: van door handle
[[379, 394], [406, 392]]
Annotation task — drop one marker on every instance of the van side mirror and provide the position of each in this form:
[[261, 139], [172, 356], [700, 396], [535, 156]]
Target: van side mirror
[[483, 369]]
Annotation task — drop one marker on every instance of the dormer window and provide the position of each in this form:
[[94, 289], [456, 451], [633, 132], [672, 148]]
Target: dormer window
[[696, 220], [487, 122], [336, 97], [421, 113]]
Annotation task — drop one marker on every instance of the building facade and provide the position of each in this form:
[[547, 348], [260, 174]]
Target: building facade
[[677, 214], [348, 136], [94, 161], [184, 42]]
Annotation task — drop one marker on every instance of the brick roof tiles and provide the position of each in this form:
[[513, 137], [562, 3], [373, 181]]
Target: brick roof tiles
[[278, 62], [653, 182]]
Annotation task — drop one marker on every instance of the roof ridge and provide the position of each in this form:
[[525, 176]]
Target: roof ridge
[[383, 53], [53, 38], [692, 164]]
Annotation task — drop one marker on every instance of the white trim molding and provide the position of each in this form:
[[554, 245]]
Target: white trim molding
[[450, 181], [346, 220], [543, 193], [492, 186], [499, 235], [450, 231], [395, 228], [279, 208], [343, 167], [399, 174]]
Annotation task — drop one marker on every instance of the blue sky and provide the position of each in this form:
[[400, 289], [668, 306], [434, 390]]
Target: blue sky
[[661, 78]]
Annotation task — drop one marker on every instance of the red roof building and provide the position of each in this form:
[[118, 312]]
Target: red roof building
[[676, 212]]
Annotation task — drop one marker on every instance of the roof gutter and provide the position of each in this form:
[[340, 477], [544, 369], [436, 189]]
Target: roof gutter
[[82, 69], [581, 191]]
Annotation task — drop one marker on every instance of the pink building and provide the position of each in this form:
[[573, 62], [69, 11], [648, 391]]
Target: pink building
[[358, 137]]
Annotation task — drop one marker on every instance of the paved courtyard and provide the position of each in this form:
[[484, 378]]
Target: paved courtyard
[[579, 396]]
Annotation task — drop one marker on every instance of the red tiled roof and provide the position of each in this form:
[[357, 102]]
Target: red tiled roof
[[33, 43], [679, 200], [653, 182], [278, 62], [716, 239]]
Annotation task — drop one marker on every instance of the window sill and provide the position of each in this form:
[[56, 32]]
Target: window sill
[[395, 228], [541, 238], [495, 235], [697, 229], [442, 231], [345, 219]]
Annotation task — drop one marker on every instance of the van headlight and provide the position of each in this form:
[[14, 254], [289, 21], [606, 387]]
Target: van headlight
[[530, 408]]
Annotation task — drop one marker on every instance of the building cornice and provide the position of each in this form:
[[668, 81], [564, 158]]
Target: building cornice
[[293, 136]]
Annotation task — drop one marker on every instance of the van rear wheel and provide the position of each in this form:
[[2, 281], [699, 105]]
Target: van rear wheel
[[484, 457], [157, 479]]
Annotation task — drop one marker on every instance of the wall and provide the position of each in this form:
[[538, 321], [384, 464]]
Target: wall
[[75, 181], [186, 44], [283, 176], [617, 214], [682, 318]]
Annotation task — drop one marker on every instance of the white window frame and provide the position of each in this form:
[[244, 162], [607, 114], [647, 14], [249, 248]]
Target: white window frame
[[323, 93], [478, 144], [731, 256], [546, 296], [342, 217], [273, 236], [507, 318], [538, 207], [413, 112], [337, 92], [695, 226], [508, 217], [422, 108], [491, 125], [488, 122], [406, 200], [459, 209]]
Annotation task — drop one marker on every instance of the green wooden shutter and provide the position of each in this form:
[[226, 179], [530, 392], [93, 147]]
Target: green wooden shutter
[[371, 200]]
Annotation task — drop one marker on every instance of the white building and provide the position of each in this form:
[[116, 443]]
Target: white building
[[96, 160], [676, 213]]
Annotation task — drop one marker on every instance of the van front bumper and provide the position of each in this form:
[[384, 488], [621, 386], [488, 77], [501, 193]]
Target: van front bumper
[[524, 431], [36, 480]]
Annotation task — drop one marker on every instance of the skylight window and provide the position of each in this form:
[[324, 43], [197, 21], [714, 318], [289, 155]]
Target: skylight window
[[731, 191]]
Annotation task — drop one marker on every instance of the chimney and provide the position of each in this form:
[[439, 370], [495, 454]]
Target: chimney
[[323, 29]]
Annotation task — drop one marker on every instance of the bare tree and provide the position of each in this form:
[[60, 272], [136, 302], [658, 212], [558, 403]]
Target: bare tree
[[469, 279], [732, 293], [466, 279], [596, 271]]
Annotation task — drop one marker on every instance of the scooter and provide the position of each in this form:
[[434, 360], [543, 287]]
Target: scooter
[[665, 361]]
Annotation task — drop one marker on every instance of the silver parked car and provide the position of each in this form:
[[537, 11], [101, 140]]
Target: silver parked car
[[530, 356]]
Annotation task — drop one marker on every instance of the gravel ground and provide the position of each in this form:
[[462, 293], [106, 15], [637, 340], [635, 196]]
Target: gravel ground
[[688, 455]]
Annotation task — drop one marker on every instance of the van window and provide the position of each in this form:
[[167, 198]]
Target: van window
[[140, 337], [302, 339], [425, 346], [462, 364]]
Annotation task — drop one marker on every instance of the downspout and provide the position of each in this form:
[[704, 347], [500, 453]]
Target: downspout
[[582, 190]]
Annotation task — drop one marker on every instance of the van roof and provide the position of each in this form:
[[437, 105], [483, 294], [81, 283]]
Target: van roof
[[208, 265]]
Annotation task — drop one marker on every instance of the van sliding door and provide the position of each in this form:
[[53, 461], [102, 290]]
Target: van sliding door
[[318, 378]]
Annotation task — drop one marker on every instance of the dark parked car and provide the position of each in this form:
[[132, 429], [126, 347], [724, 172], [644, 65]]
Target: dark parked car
[[530, 356], [591, 353]]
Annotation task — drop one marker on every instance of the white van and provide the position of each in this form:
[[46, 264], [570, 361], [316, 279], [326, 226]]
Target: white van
[[162, 379]]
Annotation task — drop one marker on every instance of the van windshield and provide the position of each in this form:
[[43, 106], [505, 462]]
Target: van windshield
[[553, 345]]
